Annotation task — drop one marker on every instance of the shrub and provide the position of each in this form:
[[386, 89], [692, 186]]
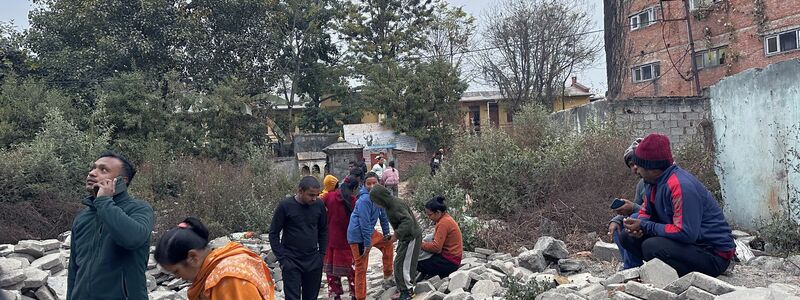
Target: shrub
[[541, 179], [782, 233], [701, 163], [42, 181], [228, 197], [518, 290]]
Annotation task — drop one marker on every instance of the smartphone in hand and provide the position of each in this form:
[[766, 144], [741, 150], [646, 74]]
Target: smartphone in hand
[[617, 203]]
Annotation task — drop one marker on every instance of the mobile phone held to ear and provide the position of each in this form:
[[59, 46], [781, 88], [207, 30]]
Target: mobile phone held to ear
[[617, 203]]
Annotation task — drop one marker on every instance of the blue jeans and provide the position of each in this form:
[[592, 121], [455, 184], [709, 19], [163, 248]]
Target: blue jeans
[[628, 261]]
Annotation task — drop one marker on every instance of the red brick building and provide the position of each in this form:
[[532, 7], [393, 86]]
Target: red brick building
[[730, 36]]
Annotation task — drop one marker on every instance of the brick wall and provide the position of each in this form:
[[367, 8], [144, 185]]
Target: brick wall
[[683, 119], [729, 23], [407, 160]]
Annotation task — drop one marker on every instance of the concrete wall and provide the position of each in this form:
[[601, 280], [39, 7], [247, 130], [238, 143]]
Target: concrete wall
[[756, 117], [681, 119], [313, 142], [286, 164]]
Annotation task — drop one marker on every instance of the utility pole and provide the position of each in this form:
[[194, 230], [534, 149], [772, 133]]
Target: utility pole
[[695, 75]]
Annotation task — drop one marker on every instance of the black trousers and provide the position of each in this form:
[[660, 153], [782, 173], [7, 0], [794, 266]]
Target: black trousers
[[436, 265], [684, 258], [299, 282]]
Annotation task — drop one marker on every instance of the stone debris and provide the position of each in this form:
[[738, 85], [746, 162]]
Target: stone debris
[[657, 273], [35, 270]]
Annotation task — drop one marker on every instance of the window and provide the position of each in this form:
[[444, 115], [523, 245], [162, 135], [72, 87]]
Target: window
[[782, 42], [710, 58], [646, 72], [701, 4], [643, 19]]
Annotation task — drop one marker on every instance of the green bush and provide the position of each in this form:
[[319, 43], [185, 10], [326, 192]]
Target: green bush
[[782, 233], [518, 290], [228, 197], [42, 181], [552, 180]]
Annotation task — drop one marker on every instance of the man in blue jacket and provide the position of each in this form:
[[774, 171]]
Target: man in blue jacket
[[679, 222], [362, 236], [111, 237]]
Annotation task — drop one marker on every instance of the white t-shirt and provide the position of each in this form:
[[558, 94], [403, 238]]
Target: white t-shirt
[[378, 169]]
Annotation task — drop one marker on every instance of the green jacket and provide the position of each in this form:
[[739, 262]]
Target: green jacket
[[400, 215], [110, 248]]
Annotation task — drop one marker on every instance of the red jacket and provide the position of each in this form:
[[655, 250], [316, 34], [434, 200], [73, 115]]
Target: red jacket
[[338, 219]]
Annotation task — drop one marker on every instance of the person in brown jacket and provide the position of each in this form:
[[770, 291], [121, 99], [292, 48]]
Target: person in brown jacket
[[447, 245]]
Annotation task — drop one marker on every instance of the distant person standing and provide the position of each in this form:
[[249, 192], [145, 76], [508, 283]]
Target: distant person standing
[[111, 236], [436, 161], [379, 167], [391, 178], [361, 166], [301, 248]]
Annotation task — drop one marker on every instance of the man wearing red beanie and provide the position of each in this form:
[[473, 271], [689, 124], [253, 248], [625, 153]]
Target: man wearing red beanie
[[679, 221]]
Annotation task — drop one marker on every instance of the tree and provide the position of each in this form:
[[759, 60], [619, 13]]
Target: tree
[[15, 59], [227, 39], [450, 35], [426, 104], [617, 48], [307, 64], [80, 42], [534, 45], [387, 30], [23, 106]]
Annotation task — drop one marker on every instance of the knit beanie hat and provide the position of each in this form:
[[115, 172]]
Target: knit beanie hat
[[627, 156], [653, 152]]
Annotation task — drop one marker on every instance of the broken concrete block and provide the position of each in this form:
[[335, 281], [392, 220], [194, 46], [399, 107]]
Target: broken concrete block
[[44, 293], [749, 294], [35, 277], [768, 263], [458, 294], [424, 287], [459, 280], [49, 262], [486, 287], [679, 286], [623, 296], [533, 260], [606, 252], [658, 294], [483, 251], [637, 289], [693, 293], [657, 273], [551, 248], [568, 266], [58, 284], [622, 276], [785, 288], [436, 296], [22, 256], [10, 295], [711, 284], [593, 291], [37, 248], [12, 278], [8, 265]]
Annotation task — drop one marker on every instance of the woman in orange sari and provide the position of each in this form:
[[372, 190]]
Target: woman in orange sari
[[226, 273]]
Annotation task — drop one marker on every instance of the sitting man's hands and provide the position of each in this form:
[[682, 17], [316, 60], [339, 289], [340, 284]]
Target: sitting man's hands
[[633, 227], [626, 209]]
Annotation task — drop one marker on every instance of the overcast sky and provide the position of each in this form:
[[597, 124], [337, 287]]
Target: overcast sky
[[594, 76]]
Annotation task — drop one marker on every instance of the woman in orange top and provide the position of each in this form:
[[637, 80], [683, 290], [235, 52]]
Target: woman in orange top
[[447, 244], [226, 273]]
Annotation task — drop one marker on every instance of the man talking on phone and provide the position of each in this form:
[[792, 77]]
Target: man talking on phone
[[111, 236]]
